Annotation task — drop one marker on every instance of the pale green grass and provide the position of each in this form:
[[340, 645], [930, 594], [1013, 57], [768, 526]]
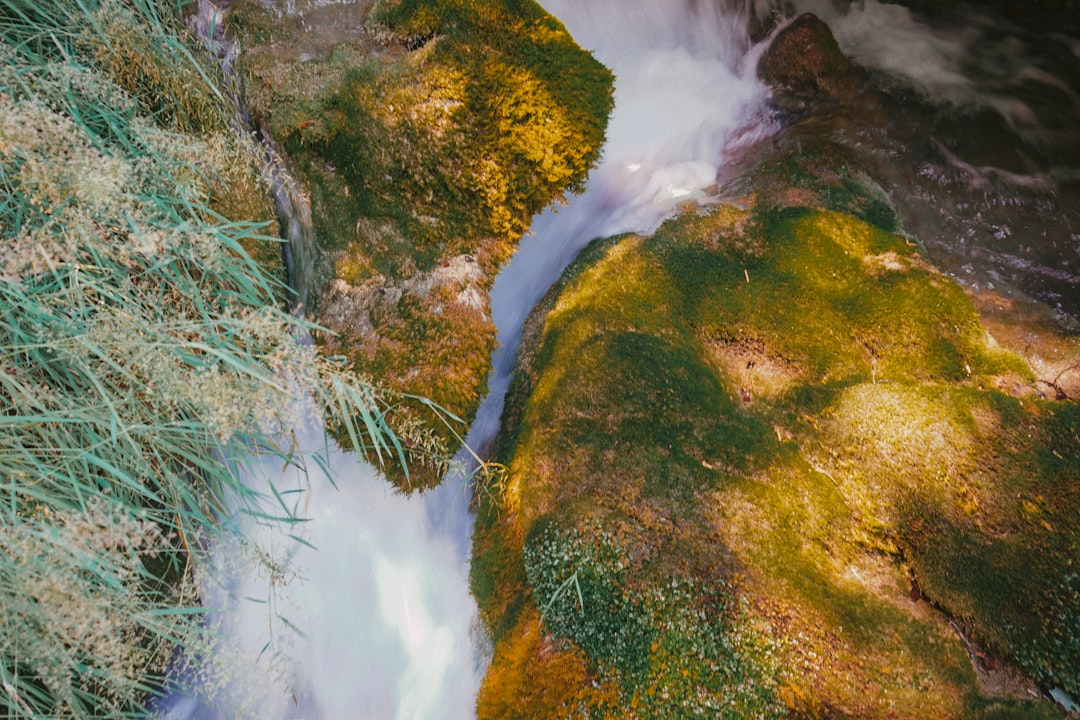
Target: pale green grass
[[139, 344]]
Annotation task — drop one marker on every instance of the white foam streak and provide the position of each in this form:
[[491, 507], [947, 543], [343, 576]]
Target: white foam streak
[[964, 66], [889, 38], [686, 95]]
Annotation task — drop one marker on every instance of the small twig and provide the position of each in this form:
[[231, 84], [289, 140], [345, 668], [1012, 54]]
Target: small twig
[[967, 643], [1061, 394], [1058, 376]]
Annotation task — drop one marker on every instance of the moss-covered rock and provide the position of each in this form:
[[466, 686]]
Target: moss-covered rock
[[803, 57], [779, 421], [428, 136]]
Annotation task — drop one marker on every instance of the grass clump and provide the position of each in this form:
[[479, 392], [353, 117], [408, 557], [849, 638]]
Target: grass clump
[[789, 412], [140, 347]]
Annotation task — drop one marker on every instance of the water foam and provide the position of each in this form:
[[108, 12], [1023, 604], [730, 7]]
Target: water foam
[[981, 62], [362, 610]]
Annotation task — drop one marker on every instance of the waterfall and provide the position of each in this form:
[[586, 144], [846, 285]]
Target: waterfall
[[354, 602], [363, 610], [686, 99]]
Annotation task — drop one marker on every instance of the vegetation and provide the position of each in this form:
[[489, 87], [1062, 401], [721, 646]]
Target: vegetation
[[786, 413], [764, 463], [428, 136], [140, 345], [674, 649]]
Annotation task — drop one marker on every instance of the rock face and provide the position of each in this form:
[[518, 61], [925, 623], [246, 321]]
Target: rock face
[[769, 458], [1042, 15], [804, 58]]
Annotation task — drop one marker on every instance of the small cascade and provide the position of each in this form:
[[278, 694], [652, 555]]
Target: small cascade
[[338, 598], [299, 250], [687, 98], [362, 609]]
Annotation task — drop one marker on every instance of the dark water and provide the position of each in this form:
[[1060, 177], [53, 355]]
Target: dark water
[[980, 146]]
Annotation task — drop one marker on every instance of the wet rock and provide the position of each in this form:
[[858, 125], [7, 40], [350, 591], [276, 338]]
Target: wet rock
[[804, 63], [1059, 16]]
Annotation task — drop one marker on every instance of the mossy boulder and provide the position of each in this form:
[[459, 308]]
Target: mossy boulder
[[427, 135], [804, 56], [804, 65], [767, 462]]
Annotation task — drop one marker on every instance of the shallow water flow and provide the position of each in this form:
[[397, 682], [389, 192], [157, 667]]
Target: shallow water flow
[[981, 154], [686, 97]]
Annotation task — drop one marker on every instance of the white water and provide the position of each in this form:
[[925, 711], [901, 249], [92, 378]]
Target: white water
[[369, 617], [976, 64], [387, 625]]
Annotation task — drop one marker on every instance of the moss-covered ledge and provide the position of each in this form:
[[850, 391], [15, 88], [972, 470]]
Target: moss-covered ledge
[[768, 461], [428, 134]]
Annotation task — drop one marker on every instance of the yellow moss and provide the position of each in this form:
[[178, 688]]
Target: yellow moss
[[533, 677], [901, 430], [430, 100], [621, 268], [856, 237]]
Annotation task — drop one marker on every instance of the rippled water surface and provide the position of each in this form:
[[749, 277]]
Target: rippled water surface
[[981, 149]]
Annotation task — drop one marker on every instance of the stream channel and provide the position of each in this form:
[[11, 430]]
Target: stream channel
[[370, 616]]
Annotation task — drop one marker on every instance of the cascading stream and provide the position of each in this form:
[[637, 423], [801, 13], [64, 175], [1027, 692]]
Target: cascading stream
[[379, 586], [686, 96], [370, 615]]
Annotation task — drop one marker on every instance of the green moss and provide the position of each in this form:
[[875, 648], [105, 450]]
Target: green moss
[[790, 408], [676, 650], [496, 102], [1007, 565], [434, 134], [842, 300]]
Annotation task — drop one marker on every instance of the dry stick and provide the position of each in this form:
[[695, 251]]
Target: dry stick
[[1061, 394], [967, 643]]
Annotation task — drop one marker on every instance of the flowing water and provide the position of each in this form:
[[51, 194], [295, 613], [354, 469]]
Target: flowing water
[[686, 97], [981, 152], [370, 616]]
